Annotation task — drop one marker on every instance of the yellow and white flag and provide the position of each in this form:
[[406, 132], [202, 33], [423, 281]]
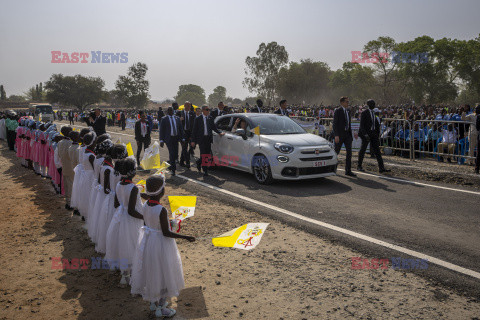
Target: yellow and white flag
[[245, 237], [141, 185], [256, 130], [163, 167], [151, 157], [182, 207], [129, 149]]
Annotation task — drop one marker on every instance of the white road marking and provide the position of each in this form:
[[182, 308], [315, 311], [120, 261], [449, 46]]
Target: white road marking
[[414, 182], [354, 234], [360, 236]]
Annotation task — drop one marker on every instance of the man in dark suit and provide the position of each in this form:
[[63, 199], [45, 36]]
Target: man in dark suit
[[258, 107], [342, 129], [187, 117], [219, 111], [123, 120], [160, 114], [202, 135], [369, 132], [171, 133], [98, 122], [283, 108], [142, 135]]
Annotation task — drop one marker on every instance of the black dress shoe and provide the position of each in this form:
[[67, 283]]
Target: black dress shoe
[[350, 174], [76, 212], [385, 170], [182, 164], [205, 174], [360, 169]]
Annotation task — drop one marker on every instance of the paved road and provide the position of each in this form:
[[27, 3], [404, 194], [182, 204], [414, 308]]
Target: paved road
[[437, 222]]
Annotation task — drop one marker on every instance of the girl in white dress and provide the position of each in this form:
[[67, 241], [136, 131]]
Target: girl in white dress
[[86, 179], [157, 271], [79, 172], [96, 192], [109, 179], [122, 234]]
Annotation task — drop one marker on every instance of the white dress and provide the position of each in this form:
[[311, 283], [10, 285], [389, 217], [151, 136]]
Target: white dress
[[122, 234], [107, 211], [85, 185], [157, 270], [95, 191], [79, 172], [3, 129]]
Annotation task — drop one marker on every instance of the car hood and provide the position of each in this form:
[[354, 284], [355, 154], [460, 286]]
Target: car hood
[[302, 139]]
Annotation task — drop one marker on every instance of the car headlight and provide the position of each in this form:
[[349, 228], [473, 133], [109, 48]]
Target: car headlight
[[283, 147]]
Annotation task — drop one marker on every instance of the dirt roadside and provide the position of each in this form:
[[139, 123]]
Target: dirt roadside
[[290, 275]]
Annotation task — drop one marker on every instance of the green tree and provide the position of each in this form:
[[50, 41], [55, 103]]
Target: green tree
[[3, 94], [16, 98], [383, 68], [304, 81], [468, 66], [262, 70], [133, 88], [355, 81], [218, 94], [432, 80], [77, 91], [190, 92]]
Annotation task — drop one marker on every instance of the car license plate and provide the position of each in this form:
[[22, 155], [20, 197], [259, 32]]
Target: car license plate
[[319, 163]]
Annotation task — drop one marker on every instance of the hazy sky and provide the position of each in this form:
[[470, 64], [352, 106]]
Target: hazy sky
[[205, 42]]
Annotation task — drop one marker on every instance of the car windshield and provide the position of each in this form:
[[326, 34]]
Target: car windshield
[[276, 125], [43, 109]]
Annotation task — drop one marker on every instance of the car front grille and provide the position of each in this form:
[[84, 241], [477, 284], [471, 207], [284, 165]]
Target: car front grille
[[313, 151]]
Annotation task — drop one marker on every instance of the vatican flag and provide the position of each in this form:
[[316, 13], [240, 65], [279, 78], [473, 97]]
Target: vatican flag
[[129, 149], [151, 157], [256, 130], [182, 207], [245, 237], [141, 185]]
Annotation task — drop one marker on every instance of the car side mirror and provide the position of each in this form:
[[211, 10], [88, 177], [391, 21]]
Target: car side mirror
[[242, 133]]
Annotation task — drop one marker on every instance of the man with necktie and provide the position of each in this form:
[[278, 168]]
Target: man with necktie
[[187, 117], [142, 135], [219, 111], [203, 136], [342, 129], [171, 133], [283, 108], [369, 132], [258, 107]]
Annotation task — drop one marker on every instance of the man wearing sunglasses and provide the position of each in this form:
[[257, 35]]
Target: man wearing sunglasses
[[203, 136]]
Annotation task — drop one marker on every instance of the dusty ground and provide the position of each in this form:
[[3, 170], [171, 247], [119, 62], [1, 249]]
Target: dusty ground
[[290, 275]]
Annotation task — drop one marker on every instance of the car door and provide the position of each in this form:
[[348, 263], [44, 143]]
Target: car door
[[240, 149], [219, 144]]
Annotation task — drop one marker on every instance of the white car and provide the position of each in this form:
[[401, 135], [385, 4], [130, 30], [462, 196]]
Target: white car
[[283, 150]]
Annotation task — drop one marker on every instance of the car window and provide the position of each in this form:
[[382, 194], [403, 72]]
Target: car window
[[224, 123]]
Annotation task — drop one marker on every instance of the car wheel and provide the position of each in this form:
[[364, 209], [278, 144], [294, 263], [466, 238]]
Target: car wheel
[[261, 169]]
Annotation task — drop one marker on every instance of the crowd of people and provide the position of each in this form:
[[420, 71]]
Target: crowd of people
[[444, 132], [95, 176]]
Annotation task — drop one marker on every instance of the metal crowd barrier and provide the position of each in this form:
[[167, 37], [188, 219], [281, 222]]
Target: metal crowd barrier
[[412, 139]]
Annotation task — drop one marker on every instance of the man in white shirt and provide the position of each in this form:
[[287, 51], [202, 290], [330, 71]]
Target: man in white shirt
[[449, 140]]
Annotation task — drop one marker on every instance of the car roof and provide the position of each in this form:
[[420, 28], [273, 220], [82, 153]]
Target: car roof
[[251, 115]]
